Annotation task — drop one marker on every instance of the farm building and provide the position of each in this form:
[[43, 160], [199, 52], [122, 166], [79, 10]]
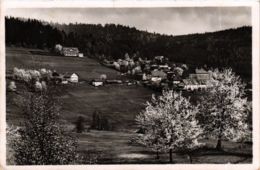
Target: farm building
[[70, 77], [165, 66], [156, 79], [70, 51], [81, 55], [74, 78], [193, 84], [97, 82], [176, 80], [64, 81], [154, 66], [159, 58], [200, 74]]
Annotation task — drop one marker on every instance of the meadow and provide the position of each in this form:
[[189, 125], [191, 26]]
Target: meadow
[[118, 103]]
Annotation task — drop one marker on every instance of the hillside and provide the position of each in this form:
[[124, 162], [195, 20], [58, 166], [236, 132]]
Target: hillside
[[119, 104], [227, 48]]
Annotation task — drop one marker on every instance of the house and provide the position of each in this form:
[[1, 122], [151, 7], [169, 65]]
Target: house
[[164, 84], [170, 75], [200, 74], [165, 66], [64, 81], [176, 80], [147, 68], [154, 66], [194, 84], [81, 55], [156, 79], [97, 82], [73, 78], [159, 58], [70, 51]]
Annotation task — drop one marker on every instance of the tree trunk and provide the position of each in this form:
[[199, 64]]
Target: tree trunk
[[190, 158], [219, 144], [170, 154], [157, 155]]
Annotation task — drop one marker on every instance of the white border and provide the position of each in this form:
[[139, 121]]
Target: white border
[[254, 4]]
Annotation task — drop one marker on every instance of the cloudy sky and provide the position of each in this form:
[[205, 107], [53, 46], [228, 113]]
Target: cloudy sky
[[175, 21]]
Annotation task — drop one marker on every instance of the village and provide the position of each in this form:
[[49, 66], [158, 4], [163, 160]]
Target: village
[[158, 74]]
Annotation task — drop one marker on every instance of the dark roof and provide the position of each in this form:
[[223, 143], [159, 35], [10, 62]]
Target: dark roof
[[177, 78], [55, 74], [97, 80], [71, 49]]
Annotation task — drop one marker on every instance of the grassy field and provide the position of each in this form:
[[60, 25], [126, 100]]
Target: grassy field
[[119, 103], [86, 68]]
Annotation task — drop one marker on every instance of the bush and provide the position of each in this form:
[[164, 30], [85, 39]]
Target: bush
[[80, 124], [99, 122]]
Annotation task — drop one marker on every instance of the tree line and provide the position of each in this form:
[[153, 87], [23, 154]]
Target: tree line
[[227, 48]]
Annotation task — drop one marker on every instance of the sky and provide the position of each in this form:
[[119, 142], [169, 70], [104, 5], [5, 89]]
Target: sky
[[171, 21]]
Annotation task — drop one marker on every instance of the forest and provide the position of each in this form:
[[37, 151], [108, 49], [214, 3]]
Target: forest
[[226, 48]]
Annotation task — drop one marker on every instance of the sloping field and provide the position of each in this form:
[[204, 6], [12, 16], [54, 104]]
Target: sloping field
[[86, 68], [118, 103]]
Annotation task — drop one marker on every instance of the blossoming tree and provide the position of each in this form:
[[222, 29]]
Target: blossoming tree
[[42, 140], [224, 112], [169, 124]]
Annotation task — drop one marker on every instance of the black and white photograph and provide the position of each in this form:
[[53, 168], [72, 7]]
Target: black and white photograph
[[137, 85]]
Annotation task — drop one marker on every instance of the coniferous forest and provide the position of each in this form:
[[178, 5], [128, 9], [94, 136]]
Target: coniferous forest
[[226, 48]]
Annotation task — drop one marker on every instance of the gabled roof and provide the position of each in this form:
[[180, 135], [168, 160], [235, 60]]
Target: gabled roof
[[55, 74], [68, 75], [194, 82], [70, 49], [176, 78]]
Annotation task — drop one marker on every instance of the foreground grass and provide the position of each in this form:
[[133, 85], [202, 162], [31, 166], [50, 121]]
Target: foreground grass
[[114, 148]]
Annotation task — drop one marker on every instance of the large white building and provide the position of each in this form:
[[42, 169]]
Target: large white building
[[70, 51]]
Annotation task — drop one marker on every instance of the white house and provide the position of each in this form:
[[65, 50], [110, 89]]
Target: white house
[[81, 55], [97, 82], [70, 51], [64, 81], [200, 74], [156, 79], [193, 84], [73, 78]]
